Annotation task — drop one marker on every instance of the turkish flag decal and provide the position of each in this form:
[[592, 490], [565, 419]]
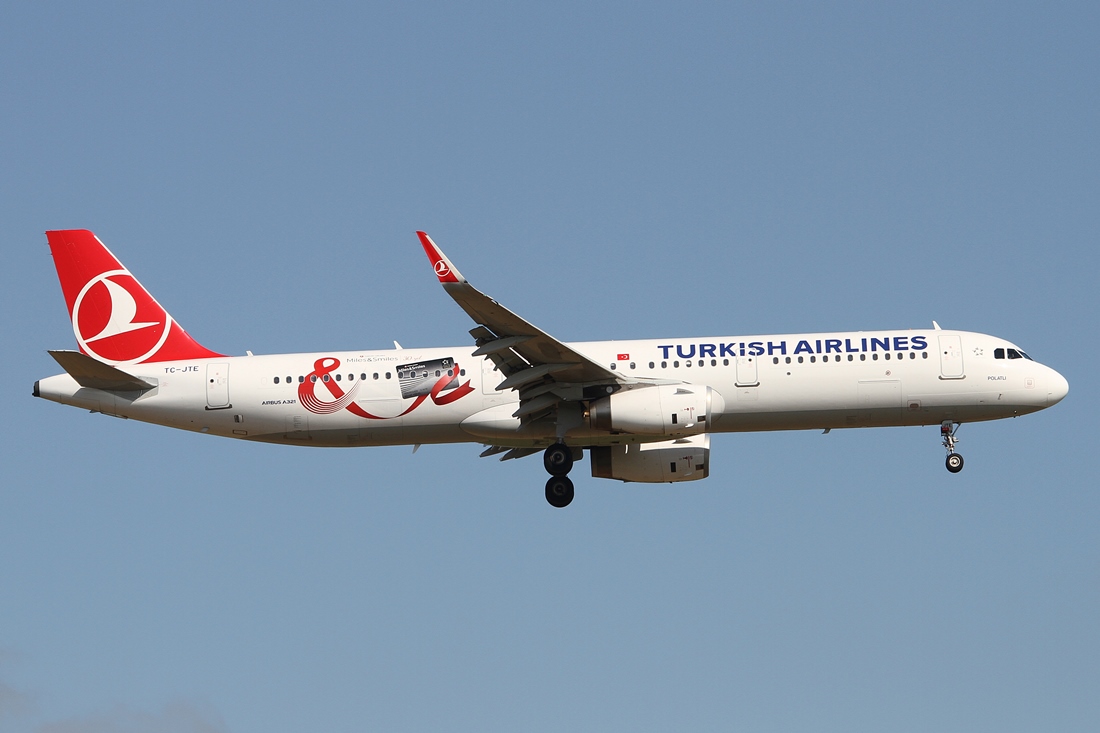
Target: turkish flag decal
[[624, 357]]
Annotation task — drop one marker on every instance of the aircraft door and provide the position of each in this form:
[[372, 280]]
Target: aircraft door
[[217, 386], [297, 427], [490, 377], [951, 357], [746, 371], [879, 402]]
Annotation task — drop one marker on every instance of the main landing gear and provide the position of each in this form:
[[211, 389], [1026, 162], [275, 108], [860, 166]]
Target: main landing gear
[[947, 432], [558, 460]]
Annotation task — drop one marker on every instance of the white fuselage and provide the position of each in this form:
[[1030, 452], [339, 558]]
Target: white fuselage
[[403, 396]]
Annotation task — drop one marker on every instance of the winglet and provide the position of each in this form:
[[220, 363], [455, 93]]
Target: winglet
[[444, 270]]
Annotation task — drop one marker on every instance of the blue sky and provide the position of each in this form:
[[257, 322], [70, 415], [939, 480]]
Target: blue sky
[[607, 171]]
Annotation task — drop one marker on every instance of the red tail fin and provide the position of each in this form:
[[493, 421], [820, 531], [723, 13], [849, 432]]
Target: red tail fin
[[114, 318]]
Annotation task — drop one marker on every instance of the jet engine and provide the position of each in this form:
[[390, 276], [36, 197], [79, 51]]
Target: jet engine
[[666, 409], [686, 459]]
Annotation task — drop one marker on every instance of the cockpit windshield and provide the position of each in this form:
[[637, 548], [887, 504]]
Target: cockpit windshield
[[1011, 354]]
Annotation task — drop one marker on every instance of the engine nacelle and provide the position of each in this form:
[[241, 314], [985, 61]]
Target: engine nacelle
[[686, 459], [666, 409]]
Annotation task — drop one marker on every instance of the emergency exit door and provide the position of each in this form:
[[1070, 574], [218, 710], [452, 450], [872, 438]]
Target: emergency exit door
[[746, 371]]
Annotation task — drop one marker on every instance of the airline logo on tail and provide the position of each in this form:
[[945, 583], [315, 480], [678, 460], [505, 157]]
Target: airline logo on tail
[[115, 319], [108, 314]]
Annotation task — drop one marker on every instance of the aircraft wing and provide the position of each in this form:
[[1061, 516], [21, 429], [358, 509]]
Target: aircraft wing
[[541, 368]]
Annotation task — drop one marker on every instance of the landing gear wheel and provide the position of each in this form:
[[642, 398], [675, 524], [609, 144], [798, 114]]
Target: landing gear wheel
[[948, 429], [559, 491], [558, 460]]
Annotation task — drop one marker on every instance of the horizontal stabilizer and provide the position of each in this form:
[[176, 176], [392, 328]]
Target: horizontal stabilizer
[[94, 374]]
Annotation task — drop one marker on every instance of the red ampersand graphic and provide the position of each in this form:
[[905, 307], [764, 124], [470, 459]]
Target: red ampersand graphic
[[322, 368]]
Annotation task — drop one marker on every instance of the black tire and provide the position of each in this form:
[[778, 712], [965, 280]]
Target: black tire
[[558, 459], [559, 491], [954, 462]]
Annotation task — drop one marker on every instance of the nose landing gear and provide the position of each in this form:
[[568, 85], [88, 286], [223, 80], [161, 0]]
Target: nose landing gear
[[558, 460], [947, 432]]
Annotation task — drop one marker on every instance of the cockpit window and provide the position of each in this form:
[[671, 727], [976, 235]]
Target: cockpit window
[[1012, 354]]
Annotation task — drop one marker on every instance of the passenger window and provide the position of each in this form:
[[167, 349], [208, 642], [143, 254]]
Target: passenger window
[[687, 363], [788, 360], [650, 365], [850, 357], [301, 378], [912, 355], [775, 360], [664, 364], [813, 359], [924, 355], [874, 357], [676, 364], [863, 357], [276, 380], [631, 365], [887, 356], [800, 360], [313, 377], [337, 378], [612, 366], [725, 362], [289, 380], [376, 375], [714, 362]]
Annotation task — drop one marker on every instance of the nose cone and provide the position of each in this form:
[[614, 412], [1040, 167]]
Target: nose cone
[[1057, 387]]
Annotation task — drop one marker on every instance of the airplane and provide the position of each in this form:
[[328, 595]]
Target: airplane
[[644, 410]]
